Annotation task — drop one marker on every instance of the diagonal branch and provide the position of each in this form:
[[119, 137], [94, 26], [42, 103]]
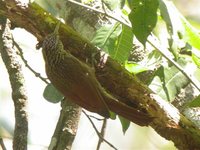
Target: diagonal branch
[[168, 121], [103, 128], [2, 144], [152, 41], [101, 137], [27, 65]]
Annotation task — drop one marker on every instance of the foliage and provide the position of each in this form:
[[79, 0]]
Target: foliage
[[128, 36], [168, 81], [125, 124], [195, 102], [51, 94], [178, 36], [116, 40], [143, 17]]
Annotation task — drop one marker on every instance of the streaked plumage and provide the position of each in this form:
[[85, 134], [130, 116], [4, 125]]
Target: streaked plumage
[[75, 80]]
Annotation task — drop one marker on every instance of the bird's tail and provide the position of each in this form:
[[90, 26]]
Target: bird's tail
[[128, 112]]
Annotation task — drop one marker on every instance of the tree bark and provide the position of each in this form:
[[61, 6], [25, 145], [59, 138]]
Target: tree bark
[[14, 68], [66, 127], [168, 121]]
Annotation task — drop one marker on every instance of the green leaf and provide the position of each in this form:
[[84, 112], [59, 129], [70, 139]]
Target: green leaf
[[111, 4], [122, 3], [143, 18], [153, 60], [125, 124], [135, 68], [106, 37], [196, 57], [171, 17], [178, 26], [124, 45], [166, 15], [51, 94], [195, 102], [168, 81], [112, 115], [174, 25], [191, 35], [114, 4], [56, 8], [116, 40], [197, 73]]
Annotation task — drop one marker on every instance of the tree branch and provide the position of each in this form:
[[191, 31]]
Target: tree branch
[[28, 66], [103, 128], [168, 122], [2, 144], [152, 41], [14, 68], [97, 132], [66, 127]]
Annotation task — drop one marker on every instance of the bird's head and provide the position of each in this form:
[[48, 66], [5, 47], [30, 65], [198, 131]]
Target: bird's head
[[51, 41]]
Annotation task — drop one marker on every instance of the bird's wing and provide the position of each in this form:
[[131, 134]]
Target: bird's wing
[[83, 85]]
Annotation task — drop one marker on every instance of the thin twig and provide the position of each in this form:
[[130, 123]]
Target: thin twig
[[98, 119], [100, 11], [2, 144], [103, 129], [99, 134], [27, 65], [103, 6], [155, 45]]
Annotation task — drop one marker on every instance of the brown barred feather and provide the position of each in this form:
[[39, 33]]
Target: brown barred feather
[[77, 81]]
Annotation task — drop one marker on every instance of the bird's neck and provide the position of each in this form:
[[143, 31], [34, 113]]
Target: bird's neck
[[54, 55]]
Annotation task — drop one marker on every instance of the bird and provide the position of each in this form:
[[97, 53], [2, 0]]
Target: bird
[[77, 81]]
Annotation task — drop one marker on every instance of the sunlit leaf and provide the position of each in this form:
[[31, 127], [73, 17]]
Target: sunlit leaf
[[191, 34], [174, 25], [165, 13], [111, 4], [171, 17], [196, 57], [168, 81], [153, 60], [177, 24], [195, 102], [124, 45], [135, 68], [106, 37], [143, 18]]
